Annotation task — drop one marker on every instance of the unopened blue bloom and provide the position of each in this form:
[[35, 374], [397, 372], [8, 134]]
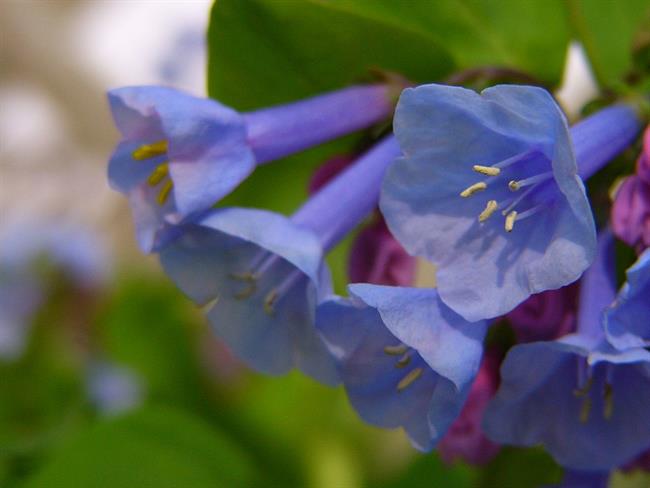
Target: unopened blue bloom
[[405, 358], [489, 191], [260, 275], [628, 320], [181, 154], [586, 402]]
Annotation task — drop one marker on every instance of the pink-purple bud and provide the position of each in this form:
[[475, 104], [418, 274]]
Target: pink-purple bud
[[546, 316], [631, 213], [376, 257], [465, 438]]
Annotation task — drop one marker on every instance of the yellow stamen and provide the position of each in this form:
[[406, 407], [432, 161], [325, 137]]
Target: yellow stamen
[[147, 151], [510, 221], [164, 192], [490, 208], [514, 185], [403, 361], [486, 170], [158, 174], [405, 382], [269, 302], [608, 398], [395, 350], [476, 187], [247, 276], [246, 292]]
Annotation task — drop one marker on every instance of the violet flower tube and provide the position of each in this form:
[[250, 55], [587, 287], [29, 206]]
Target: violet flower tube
[[259, 275], [181, 154]]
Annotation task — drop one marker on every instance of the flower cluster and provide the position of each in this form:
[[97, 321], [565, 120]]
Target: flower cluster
[[487, 187]]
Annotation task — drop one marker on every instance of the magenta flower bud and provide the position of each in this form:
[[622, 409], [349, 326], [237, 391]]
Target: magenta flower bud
[[546, 316], [376, 257], [465, 439], [631, 213]]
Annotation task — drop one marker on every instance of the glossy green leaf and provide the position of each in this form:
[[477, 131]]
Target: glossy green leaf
[[153, 448]]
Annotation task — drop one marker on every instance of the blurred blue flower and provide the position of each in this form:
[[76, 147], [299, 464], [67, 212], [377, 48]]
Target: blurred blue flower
[[586, 402], [180, 154], [406, 359], [260, 275], [584, 479], [488, 190], [32, 255], [113, 389], [628, 320]]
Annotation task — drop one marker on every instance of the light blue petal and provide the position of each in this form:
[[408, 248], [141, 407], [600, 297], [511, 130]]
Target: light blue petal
[[536, 404], [628, 320], [484, 271], [446, 348], [204, 261]]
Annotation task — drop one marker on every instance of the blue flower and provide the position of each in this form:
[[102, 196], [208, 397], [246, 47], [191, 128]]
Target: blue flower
[[260, 275], [488, 191], [586, 402], [628, 320], [406, 359], [181, 154]]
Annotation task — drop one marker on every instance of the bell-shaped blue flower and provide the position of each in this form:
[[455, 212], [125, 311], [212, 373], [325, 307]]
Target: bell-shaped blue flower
[[489, 190], [405, 358], [260, 275], [628, 319], [180, 154], [586, 402]]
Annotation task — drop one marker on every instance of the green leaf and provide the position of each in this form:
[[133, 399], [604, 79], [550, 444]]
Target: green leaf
[[157, 448], [607, 30], [521, 467]]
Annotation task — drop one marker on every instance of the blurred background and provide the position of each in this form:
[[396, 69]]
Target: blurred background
[[108, 375]]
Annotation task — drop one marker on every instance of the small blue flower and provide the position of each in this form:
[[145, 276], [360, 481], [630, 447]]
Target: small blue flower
[[181, 154], [261, 275], [488, 191], [406, 360], [628, 320], [586, 402]]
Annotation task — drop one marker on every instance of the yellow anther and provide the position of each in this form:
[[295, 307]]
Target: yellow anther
[[514, 185], [490, 208], [470, 190], [395, 350], [585, 410], [246, 292], [148, 151], [158, 174], [412, 375], [246, 276], [581, 392], [269, 301], [608, 399], [486, 170], [164, 192], [403, 361], [510, 221]]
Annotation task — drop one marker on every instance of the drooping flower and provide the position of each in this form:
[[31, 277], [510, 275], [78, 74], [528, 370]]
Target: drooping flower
[[490, 192], [465, 439], [180, 154], [586, 402], [260, 275], [628, 319], [328, 170], [405, 359], [546, 316], [630, 214]]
